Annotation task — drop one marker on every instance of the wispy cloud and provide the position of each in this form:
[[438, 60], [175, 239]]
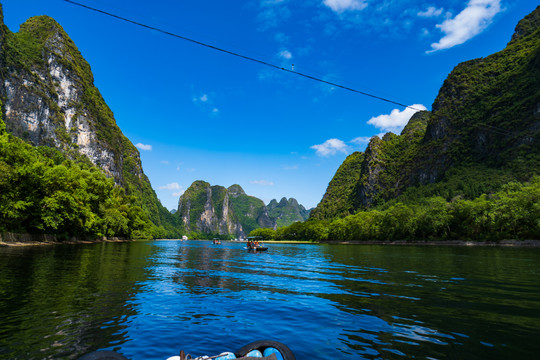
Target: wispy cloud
[[431, 12], [166, 162], [290, 167], [171, 186], [143, 146], [262, 182], [396, 120], [340, 6], [178, 193], [471, 21], [272, 14], [200, 99], [205, 102], [285, 54], [330, 147]]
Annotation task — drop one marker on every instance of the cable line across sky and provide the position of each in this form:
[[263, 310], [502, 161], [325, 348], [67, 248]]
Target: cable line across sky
[[249, 58], [268, 64]]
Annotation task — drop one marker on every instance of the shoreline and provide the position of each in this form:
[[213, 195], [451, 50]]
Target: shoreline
[[502, 243], [24, 243]]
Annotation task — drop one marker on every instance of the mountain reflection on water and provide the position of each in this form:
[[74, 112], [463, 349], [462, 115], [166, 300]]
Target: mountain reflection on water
[[148, 300]]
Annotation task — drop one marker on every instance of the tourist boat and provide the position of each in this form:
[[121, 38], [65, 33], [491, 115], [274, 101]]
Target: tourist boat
[[262, 349], [184, 238], [216, 242], [255, 248]]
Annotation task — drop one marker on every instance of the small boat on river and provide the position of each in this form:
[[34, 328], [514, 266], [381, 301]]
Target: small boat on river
[[216, 242], [253, 244]]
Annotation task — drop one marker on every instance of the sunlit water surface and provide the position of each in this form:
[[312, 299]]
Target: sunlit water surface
[[148, 300]]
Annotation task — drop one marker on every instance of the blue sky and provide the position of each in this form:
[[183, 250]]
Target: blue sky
[[198, 114]]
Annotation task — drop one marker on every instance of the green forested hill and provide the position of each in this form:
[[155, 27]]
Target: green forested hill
[[49, 99], [287, 211], [483, 131], [338, 200]]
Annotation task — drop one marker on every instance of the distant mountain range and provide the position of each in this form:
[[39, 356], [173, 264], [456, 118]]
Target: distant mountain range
[[207, 209]]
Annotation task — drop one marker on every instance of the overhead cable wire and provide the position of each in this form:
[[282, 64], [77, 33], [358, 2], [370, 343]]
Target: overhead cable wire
[[245, 57], [492, 128]]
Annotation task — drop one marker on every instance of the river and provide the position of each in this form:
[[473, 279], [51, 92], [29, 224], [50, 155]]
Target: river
[[148, 300]]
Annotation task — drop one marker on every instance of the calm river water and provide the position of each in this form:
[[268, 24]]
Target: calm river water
[[148, 300]]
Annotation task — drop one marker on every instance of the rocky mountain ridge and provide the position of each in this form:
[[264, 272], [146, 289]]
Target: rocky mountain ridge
[[208, 209]]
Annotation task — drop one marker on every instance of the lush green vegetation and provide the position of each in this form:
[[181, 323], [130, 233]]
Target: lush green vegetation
[[43, 192], [511, 213]]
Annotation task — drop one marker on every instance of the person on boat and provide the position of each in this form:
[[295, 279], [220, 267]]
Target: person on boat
[[249, 244], [256, 244]]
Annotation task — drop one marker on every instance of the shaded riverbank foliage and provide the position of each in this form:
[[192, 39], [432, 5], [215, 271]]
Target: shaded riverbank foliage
[[42, 192], [511, 213]]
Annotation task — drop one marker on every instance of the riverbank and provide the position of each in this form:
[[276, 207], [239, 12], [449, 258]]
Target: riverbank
[[517, 243], [13, 239], [10, 239]]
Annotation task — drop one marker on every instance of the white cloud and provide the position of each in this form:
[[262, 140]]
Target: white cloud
[[290, 167], [206, 103], [143, 146], [203, 98], [431, 11], [166, 162], [262, 182], [396, 120], [177, 194], [171, 186], [468, 23], [340, 6], [330, 147], [285, 54]]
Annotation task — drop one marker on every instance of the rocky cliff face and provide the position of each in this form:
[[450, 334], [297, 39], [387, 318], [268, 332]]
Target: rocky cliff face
[[218, 210], [49, 99], [287, 211], [485, 120]]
